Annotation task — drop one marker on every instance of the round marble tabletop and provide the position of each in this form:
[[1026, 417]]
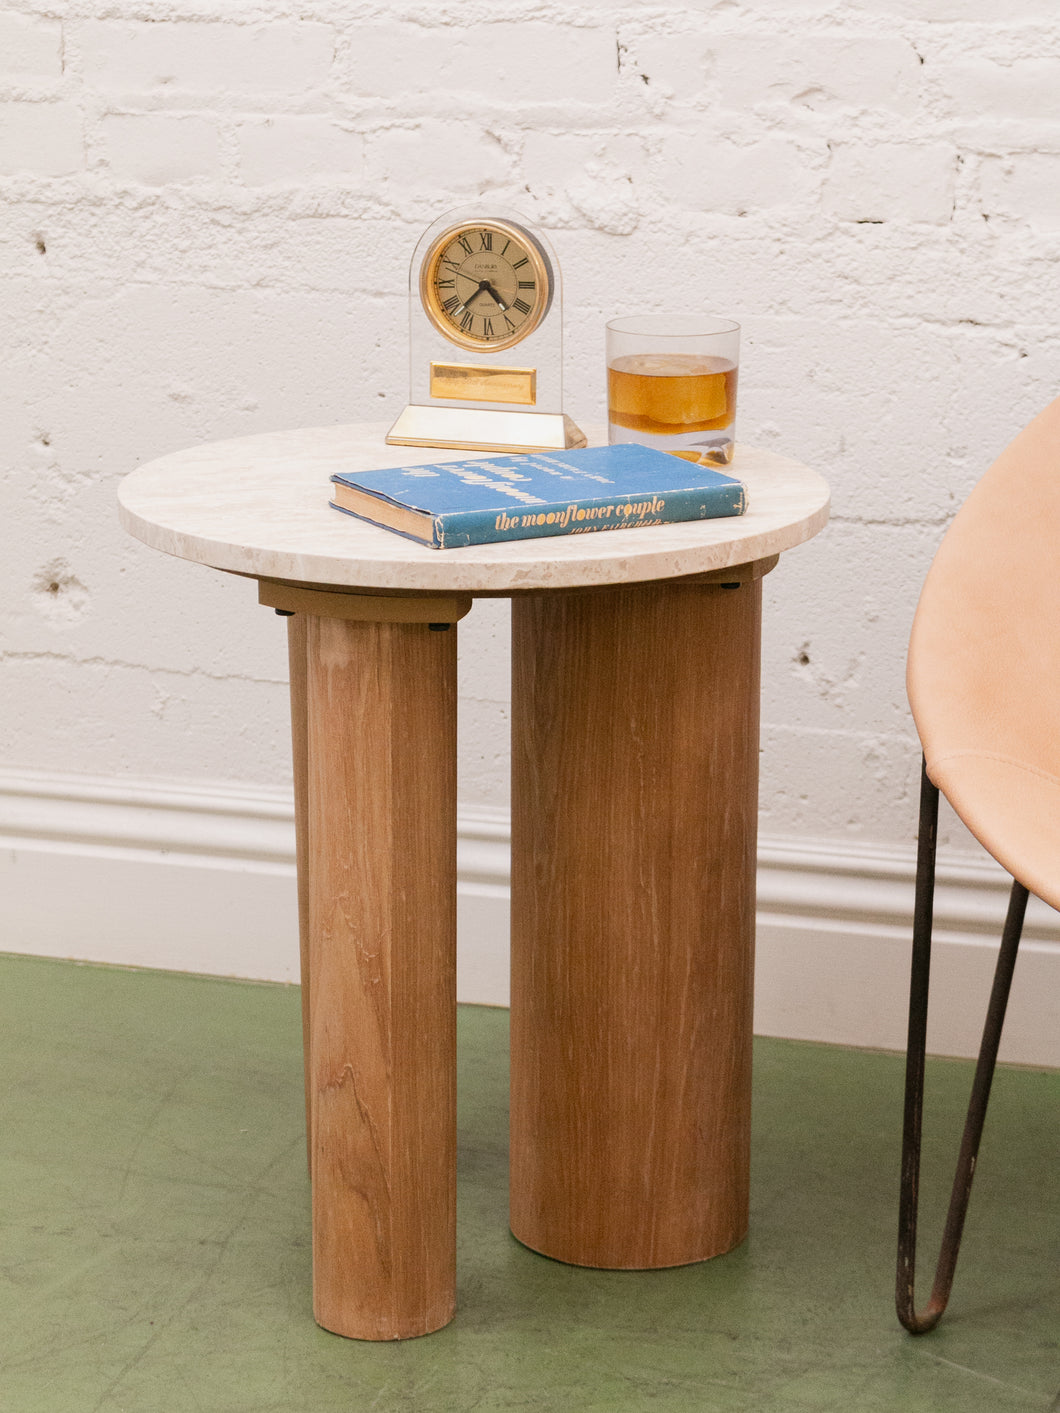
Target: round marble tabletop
[[259, 506]]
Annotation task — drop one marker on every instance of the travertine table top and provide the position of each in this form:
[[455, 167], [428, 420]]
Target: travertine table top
[[259, 506]]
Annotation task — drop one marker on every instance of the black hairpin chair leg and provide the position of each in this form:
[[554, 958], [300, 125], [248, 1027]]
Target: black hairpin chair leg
[[919, 1322]]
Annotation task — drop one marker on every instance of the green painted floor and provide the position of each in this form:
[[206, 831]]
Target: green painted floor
[[154, 1234]]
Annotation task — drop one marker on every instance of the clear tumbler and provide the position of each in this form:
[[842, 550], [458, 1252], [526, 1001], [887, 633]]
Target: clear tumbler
[[671, 384]]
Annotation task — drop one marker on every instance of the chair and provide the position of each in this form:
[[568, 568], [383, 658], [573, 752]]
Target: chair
[[983, 680]]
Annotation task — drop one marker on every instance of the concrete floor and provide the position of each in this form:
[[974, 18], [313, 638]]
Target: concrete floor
[[154, 1234]]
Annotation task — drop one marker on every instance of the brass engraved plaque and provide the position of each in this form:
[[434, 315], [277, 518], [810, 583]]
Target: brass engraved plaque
[[470, 382]]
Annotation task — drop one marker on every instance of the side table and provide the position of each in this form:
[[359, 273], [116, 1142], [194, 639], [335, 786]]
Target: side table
[[634, 810]]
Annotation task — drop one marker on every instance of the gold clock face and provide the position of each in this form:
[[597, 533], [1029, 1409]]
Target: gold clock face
[[486, 284]]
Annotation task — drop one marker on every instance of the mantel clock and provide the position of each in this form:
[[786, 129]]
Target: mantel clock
[[485, 339]]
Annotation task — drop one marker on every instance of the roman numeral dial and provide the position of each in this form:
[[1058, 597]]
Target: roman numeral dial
[[486, 284]]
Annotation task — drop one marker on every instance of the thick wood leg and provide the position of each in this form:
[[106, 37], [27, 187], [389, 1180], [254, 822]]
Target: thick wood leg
[[634, 783], [381, 709], [300, 756]]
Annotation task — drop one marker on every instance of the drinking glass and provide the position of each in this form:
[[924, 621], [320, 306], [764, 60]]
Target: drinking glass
[[671, 384]]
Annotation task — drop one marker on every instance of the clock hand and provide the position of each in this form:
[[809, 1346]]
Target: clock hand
[[483, 285], [493, 293], [465, 276]]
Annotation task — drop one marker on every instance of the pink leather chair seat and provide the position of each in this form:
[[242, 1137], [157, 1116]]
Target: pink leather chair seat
[[983, 672]]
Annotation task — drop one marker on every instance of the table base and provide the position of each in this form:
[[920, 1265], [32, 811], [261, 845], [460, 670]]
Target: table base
[[634, 775]]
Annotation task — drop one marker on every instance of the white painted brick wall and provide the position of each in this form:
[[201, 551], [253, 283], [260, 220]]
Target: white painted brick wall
[[1026, 89], [493, 65], [887, 181], [30, 48], [967, 13], [707, 172], [1022, 189], [194, 57], [159, 149], [206, 218], [457, 157], [815, 71], [41, 139], [295, 151]]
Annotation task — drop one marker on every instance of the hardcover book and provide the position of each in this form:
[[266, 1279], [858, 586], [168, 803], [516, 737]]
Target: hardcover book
[[450, 504]]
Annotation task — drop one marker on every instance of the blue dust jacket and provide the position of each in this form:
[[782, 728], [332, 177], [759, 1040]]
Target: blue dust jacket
[[528, 495]]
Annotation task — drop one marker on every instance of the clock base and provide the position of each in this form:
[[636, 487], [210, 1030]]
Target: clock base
[[476, 429]]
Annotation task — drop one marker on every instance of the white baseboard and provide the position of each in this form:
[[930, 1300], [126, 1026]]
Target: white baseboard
[[203, 880]]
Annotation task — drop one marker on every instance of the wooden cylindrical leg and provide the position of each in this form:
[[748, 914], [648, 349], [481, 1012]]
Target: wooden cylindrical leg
[[381, 709], [634, 784], [300, 758]]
